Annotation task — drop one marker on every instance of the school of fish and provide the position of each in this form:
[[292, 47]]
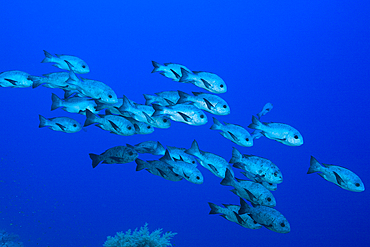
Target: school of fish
[[125, 117]]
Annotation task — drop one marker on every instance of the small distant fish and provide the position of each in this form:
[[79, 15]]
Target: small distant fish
[[112, 123], [91, 88], [257, 179], [340, 176], [53, 80], [214, 163], [234, 133], [115, 155], [185, 170], [206, 80], [151, 147], [170, 70], [185, 113], [266, 216], [280, 132], [141, 128], [158, 168], [180, 154], [15, 79], [79, 66], [73, 104], [266, 109], [252, 191], [206, 101], [230, 212], [172, 96], [64, 124], [263, 168]]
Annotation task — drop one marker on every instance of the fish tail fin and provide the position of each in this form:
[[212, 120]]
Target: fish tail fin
[[48, 58], [95, 159], [184, 97], [37, 80], [215, 209], [158, 110], [256, 124], [194, 149], [57, 102], [185, 76], [217, 125], [91, 118], [43, 121], [244, 207], [156, 66], [236, 156], [229, 179], [150, 99], [257, 134], [141, 164], [314, 166]]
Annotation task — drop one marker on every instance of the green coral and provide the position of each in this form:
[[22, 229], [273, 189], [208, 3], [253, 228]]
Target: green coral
[[140, 238]]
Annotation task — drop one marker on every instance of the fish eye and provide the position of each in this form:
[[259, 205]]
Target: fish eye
[[129, 127], [148, 127], [193, 162], [83, 66], [110, 96], [202, 116], [295, 137], [75, 125], [224, 106], [130, 153], [221, 86], [247, 139], [282, 224], [164, 120], [268, 199], [357, 184], [197, 177], [270, 183]]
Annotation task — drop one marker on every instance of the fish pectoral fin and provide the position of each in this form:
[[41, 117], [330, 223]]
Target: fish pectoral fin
[[114, 125], [340, 181], [240, 220], [118, 159], [213, 168], [186, 176], [163, 174], [184, 116], [233, 136], [62, 127], [174, 72], [209, 104], [206, 83], [250, 194], [11, 81], [148, 118]]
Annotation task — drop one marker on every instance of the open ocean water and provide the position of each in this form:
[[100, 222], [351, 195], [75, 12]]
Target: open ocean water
[[310, 59]]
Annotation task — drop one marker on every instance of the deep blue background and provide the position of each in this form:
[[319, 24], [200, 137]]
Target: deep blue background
[[310, 59]]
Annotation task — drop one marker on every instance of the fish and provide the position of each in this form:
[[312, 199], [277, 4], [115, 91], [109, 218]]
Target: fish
[[114, 155], [185, 170], [15, 79], [338, 175], [260, 167], [180, 154], [257, 179], [214, 163], [170, 70], [185, 113], [234, 133], [230, 212], [169, 96], [206, 101], [151, 99], [266, 109], [151, 147], [206, 80], [141, 128], [73, 104], [78, 65], [92, 88], [252, 191], [63, 124], [280, 132], [270, 218], [158, 168]]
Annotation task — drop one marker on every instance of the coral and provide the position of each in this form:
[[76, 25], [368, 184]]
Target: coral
[[9, 240], [140, 238]]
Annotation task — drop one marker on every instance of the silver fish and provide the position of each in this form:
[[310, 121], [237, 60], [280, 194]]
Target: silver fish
[[15, 79], [340, 176], [151, 147], [79, 66], [206, 80], [169, 70], [115, 155], [64, 124], [266, 109], [257, 179], [180, 154], [158, 168], [280, 132], [73, 104], [234, 133]]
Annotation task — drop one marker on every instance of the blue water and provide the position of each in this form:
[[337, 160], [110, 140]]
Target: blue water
[[309, 59]]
